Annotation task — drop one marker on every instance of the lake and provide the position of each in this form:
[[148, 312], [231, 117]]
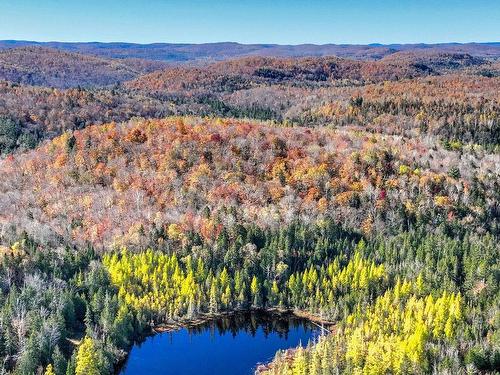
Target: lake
[[232, 345]]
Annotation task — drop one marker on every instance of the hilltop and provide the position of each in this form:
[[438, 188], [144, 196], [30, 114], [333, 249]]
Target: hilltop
[[117, 185], [42, 66]]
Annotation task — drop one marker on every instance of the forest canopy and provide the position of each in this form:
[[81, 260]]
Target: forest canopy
[[360, 193]]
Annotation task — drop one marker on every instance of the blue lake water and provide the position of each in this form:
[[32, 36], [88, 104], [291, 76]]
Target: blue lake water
[[227, 346]]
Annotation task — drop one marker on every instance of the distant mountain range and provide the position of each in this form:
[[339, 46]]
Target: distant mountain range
[[186, 53], [51, 67]]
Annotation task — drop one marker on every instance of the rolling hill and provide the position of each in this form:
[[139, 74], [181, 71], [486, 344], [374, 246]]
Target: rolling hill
[[452, 96], [172, 52], [42, 66], [104, 183], [250, 71]]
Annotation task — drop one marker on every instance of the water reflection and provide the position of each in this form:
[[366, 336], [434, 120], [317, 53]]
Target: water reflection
[[251, 323], [228, 345]]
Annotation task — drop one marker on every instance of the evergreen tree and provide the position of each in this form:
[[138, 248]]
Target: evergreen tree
[[49, 370], [87, 359]]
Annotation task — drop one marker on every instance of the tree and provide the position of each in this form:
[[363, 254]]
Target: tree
[[49, 370], [274, 295], [30, 358], [214, 306], [300, 362], [60, 363], [9, 133], [87, 360], [71, 367], [255, 290]]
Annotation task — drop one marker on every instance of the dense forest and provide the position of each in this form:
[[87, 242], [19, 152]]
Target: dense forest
[[401, 305], [113, 185], [364, 194], [451, 96], [48, 67]]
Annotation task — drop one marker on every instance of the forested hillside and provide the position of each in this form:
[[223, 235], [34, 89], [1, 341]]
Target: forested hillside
[[29, 115], [452, 97], [49, 67], [116, 184], [363, 194], [304, 71]]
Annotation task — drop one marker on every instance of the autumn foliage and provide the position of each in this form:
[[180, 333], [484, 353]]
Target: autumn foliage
[[116, 185]]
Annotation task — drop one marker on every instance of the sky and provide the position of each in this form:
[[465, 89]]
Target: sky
[[258, 21]]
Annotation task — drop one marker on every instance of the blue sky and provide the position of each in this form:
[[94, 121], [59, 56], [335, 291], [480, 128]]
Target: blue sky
[[278, 21]]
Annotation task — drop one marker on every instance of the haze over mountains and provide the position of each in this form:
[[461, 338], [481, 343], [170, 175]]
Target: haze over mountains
[[177, 52], [41, 66], [66, 65]]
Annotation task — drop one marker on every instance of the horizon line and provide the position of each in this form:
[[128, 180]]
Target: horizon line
[[372, 44]]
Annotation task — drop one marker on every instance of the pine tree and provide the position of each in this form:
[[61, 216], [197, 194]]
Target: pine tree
[[60, 363], [71, 368]]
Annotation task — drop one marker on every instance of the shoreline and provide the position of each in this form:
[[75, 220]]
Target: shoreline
[[205, 318]]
